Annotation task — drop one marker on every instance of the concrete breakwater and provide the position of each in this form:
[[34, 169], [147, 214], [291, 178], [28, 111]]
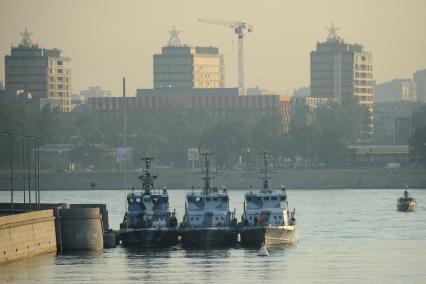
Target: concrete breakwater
[[235, 179], [28, 234], [62, 227]]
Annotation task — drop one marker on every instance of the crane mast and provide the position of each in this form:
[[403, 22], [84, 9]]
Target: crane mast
[[240, 29]]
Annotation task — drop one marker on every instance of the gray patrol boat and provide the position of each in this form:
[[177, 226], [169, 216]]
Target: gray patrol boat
[[208, 220], [406, 203], [266, 218]]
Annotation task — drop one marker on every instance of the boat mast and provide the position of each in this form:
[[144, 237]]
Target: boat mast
[[207, 178], [265, 178], [147, 179]]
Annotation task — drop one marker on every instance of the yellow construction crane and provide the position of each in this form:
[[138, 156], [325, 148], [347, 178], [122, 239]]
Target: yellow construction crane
[[240, 29]]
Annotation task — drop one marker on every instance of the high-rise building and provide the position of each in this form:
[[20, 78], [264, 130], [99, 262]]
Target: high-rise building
[[395, 91], [182, 66], [38, 72], [341, 70], [419, 77], [95, 92]]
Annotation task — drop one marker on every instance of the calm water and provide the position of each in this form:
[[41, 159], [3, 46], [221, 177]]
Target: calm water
[[345, 236]]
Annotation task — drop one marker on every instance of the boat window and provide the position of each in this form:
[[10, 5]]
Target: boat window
[[266, 198], [225, 198], [196, 219], [275, 217], [192, 218], [248, 198], [282, 198], [280, 217], [208, 199], [274, 198], [191, 199], [215, 199], [258, 198], [165, 199]]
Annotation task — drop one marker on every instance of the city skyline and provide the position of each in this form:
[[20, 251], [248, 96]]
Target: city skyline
[[276, 53]]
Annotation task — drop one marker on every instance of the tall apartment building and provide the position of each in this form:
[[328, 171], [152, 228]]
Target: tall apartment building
[[182, 66], [341, 70], [395, 91], [43, 73], [419, 77]]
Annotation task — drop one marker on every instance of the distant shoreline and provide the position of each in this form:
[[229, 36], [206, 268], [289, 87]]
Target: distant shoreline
[[376, 178]]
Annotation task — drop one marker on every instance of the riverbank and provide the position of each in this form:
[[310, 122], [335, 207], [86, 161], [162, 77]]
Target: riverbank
[[233, 179]]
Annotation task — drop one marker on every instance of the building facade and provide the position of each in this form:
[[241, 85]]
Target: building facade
[[340, 70], [395, 91], [39, 73], [222, 106], [419, 78], [393, 121], [182, 66]]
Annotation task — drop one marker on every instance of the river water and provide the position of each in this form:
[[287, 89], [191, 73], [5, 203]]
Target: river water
[[345, 236]]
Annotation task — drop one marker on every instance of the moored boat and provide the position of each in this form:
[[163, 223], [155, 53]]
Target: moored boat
[[266, 218], [208, 220], [148, 220]]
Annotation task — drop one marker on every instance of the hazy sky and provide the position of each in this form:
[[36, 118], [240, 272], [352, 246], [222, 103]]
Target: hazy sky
[[107, 40]]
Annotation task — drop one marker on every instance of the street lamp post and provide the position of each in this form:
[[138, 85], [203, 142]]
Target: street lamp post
[[11, 170], [23, 171], [38, 171]]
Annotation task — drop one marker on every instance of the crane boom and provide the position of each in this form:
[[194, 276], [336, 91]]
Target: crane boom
[[240, 29]]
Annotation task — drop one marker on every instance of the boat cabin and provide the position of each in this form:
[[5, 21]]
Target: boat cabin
[[207, 210], [148, 210], [265, 208]]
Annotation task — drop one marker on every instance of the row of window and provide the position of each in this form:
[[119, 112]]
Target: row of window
[[198, 199], [364, 82], [363, 90], [364, 67], [265, 198], [363, 75]]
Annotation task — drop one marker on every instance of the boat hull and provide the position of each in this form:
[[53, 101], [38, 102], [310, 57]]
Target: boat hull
[[221, 236], [149, 237], [271, 235], [407, 206]]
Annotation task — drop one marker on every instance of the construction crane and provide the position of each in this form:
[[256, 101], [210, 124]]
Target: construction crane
[[240, 29]]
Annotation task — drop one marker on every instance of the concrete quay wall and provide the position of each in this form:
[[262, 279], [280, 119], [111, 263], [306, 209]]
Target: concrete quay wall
[[26, 235]]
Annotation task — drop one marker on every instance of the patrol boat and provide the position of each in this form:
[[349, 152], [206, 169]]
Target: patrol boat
[[406, 203], [208, 220], [266, 219], [148, 220]]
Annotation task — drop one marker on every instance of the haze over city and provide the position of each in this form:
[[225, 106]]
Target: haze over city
[[172, 141], [118, 38]]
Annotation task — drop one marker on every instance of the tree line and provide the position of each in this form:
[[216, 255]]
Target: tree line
[[319, 138]]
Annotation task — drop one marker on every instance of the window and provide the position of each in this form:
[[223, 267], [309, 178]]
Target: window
[[59, 62], [266, 198], [215, 199], [208, 199], [274, 198]]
